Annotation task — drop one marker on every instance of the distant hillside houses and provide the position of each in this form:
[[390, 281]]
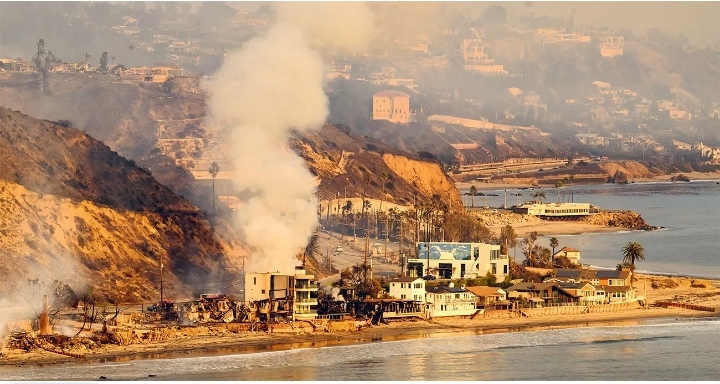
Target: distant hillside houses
[[158, 73], [17, 65], [393, 106]]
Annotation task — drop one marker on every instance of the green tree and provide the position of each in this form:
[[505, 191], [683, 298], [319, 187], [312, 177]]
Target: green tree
[[473, 191], [131, 48], [632, 252], [168, 85], [554, 242], [214, 170], [103, 68]]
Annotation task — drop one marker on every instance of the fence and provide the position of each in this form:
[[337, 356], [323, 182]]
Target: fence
[[687, 306]]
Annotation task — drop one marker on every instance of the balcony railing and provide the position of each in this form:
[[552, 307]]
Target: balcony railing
[[306, 286]]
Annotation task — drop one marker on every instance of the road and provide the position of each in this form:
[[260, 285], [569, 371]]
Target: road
[[353, 253]]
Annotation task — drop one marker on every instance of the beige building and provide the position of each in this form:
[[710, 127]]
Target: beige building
[[612, 46], [393, 106], [158, 73]]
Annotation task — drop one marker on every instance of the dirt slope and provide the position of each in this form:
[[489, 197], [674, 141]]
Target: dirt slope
[[352, 166], [74, 209]]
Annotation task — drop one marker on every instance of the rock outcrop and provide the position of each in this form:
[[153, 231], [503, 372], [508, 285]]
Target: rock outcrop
[[621, 219]]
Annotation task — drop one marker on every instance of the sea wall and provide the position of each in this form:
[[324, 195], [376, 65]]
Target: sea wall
[[559, 311]]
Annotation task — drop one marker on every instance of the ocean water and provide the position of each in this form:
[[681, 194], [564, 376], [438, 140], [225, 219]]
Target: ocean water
[[690, 213], [687, 349]]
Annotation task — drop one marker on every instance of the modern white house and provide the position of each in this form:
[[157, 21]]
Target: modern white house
[[458, 260], [408, 288], [449, 301]]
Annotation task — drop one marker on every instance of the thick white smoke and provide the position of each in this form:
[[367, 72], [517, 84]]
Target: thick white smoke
[[264, 91]]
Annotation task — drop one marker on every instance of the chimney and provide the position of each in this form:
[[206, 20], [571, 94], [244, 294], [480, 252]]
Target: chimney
[[44, 320]]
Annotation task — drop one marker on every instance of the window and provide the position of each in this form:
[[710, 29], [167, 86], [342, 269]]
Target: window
[[494, 268], [263, 292], [254, 280], [505, 269], [402, 296], [457, 295]]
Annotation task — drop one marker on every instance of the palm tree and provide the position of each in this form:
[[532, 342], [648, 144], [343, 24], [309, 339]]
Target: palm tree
[[131, 48], [633, 251], [312, 247], [87, 57], [473, 191], [214, 170], [112, 60], [538, 195], [553, 244]]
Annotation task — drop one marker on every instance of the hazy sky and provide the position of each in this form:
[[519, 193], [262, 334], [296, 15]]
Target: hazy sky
[[697, 20]]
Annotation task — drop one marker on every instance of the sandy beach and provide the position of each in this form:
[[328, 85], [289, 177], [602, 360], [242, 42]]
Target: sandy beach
[[223, 341], [545, 228]]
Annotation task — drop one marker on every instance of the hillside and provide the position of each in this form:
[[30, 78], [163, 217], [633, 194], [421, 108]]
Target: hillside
[[142, 123], [354, 165], [72, 209]]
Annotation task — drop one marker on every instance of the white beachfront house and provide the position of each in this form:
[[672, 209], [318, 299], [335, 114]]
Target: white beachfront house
[[449, 301], [408, 288]]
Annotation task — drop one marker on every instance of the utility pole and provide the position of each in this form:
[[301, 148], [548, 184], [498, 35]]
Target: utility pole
[[400, 240], [387, 233], [162, 301], [505, 203]]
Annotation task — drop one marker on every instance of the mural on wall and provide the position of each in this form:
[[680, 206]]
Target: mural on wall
[[444, 251]]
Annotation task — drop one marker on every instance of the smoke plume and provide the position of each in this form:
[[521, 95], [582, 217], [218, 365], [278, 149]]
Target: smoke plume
[[272, 86]]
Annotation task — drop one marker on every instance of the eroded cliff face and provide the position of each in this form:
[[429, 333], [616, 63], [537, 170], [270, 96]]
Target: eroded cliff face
[[632, 169], [426, 177], [354, 166]]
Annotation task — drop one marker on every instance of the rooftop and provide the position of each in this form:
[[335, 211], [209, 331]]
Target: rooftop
[[391, 94], [486, 291], [405, 279]]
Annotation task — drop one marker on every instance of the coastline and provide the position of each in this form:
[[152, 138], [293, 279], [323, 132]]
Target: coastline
[[693, 176], [545, 228], [395, 331]]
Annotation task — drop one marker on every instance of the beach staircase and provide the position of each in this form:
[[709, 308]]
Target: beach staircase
[[478, 312]]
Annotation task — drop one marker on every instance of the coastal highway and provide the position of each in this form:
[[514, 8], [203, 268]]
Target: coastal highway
[[353, 253]]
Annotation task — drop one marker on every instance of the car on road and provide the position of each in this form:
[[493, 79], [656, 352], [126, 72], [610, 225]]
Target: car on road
[[429, 278]]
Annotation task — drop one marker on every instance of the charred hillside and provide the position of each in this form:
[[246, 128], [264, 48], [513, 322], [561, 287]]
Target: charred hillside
[[71, 208]]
